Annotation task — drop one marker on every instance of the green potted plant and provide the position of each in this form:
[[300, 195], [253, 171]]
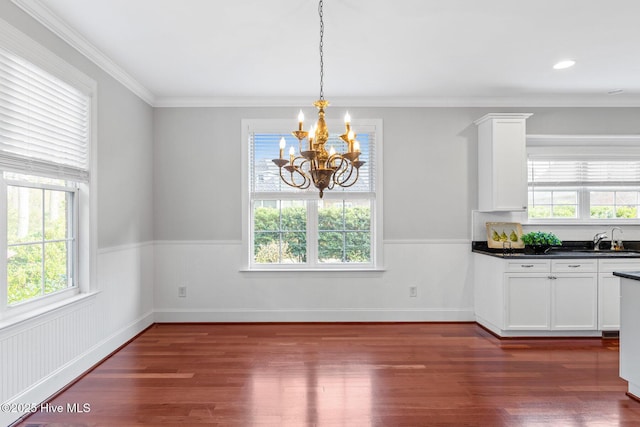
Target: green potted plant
[[540, 242]]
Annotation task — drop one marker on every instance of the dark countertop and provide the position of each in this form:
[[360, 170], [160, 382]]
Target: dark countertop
[[635, 275], [568, 250]]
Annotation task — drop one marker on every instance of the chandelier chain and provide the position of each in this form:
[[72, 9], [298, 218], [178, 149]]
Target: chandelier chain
[[314, 164], [321, 52]]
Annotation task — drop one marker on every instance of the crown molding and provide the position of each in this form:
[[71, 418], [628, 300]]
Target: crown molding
[[232, 101], [400, 102], [502, 116], [60, 28]]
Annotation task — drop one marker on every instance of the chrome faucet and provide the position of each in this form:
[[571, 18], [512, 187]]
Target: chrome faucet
[[616, 245], [597, 239]]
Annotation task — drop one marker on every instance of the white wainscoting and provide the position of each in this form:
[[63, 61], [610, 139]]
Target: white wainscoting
[[41, 355], [218, 291]]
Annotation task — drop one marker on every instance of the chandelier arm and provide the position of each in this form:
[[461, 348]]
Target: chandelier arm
[[306, 185], [344, 185], [300, 171], [344, 167], [293, 171], [290, 182], [346, 182]]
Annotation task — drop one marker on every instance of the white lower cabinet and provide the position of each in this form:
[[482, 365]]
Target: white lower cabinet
[[539, 297], [574, 301], [552, 301], [527, 301], [609, 291], [608, 302]]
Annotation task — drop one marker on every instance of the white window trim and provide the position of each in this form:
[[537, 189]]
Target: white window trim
[[277, 126], [618, 146], [20, 44]]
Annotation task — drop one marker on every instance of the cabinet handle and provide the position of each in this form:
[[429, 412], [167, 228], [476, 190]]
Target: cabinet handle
[[526, 265], [573, 265], [552, 277]]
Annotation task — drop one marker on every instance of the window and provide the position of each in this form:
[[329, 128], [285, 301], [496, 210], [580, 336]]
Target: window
[[41, 237], [288, 228], [584, 179], [46, 113]]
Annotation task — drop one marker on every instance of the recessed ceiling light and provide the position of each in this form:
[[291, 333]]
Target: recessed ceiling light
[[564, 64]]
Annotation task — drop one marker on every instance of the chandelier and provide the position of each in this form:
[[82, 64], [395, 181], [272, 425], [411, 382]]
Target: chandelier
[[313, 163]]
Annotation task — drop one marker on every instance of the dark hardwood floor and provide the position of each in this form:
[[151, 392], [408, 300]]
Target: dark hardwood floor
[[381, 374]]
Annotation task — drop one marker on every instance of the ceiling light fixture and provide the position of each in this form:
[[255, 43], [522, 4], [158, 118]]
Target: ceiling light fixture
[[567, 63], [314, 164]]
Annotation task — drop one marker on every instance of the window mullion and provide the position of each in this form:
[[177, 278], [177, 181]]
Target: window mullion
[[280, 233], [44, 239], [312, 233], [344, 233], [585, 203]]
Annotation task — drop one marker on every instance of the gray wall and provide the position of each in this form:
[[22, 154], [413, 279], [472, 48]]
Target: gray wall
[[125, 166], [430, 169]]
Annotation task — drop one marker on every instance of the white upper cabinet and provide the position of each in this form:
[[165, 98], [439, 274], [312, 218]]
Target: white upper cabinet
[[502, 162]]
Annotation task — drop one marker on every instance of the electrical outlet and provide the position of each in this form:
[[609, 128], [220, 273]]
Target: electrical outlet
[[182, 291], [413, 291]]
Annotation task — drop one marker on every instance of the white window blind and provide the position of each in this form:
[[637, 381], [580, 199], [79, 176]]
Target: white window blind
[[545, 172], [264, 174], [44, 122]]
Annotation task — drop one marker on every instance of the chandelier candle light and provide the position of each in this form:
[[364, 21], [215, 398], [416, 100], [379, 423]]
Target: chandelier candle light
[[315, 164]]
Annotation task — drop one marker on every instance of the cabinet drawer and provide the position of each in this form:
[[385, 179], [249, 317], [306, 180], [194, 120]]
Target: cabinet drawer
[[609, 265], [528, 266], [574, 265]]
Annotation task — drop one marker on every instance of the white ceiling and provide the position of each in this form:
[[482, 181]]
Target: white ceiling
[[377, 52]]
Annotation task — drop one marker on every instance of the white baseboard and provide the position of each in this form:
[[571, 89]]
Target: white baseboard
[[634, 389], [68, 373], [527, 333], [319, 315]]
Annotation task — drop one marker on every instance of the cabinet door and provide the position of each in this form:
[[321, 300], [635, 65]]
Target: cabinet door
[[574, 301], [510, 165], [527, 301], [609, 291], [502, 162], [609, 302]]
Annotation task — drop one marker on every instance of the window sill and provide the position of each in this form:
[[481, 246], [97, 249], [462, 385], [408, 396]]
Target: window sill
[[18, 319]]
